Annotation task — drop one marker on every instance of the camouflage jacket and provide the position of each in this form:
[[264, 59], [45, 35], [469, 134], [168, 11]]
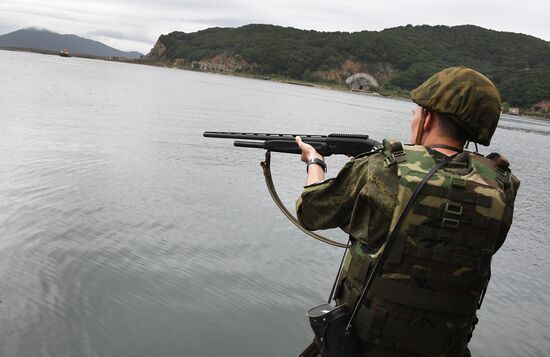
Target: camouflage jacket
[[362, 200]]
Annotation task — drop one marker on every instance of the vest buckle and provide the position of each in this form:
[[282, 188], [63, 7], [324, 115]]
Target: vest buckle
[[453, 208], [398, 157], [450, 223]]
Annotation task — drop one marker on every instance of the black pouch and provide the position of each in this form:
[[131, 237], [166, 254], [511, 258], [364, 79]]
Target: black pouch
[[329, 325]]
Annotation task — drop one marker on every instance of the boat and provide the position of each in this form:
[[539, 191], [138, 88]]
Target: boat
[[65, 53]]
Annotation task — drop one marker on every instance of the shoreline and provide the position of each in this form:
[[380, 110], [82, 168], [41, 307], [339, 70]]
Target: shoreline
[[71, 54], [329, 86], [273, 78]]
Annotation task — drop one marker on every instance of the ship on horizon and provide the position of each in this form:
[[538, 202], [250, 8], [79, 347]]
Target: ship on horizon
[[65, 53]]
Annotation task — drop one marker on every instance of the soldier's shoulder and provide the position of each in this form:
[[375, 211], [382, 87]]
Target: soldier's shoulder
[[377, 151]]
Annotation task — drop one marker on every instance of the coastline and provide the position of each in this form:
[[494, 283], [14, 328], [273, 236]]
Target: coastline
[[274, 78], [342, 88], [72, 54], [320, 85]]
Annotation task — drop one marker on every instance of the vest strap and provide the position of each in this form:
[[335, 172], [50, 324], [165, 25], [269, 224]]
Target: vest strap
[[501, 169], [350, 293], [447, 236], [440, 213], [442, 256], [460, 196], [426, 299], [439, 276]]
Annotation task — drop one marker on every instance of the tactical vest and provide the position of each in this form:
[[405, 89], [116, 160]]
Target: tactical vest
[[433, 280]]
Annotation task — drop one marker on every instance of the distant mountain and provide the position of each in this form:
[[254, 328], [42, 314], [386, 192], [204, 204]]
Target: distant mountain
[[399, 58], [46, 40]]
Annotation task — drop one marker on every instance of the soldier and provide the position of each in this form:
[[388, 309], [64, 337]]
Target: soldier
[[423, 300]]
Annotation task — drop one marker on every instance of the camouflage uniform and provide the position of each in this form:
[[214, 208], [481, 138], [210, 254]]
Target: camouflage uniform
[[432, 282]]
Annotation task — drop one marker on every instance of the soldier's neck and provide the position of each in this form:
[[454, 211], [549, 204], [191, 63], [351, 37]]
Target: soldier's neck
[[434, 140]]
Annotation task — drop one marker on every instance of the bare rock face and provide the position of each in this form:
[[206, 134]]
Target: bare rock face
[[331, 75], [231, 62], [380, 72], [157, 52], [542, 106], [223, 62]]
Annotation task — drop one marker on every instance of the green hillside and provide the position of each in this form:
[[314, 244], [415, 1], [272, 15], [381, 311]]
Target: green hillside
[[399, 58]]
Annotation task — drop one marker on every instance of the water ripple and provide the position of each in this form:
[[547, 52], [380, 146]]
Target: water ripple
[[124, 232]]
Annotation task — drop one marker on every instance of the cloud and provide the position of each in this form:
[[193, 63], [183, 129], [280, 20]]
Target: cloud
[[117, 35], [128, 23]]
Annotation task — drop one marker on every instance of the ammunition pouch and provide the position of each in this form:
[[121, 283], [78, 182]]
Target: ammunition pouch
[[329, 326]]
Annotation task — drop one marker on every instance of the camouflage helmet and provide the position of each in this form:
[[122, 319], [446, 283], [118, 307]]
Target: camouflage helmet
[[467, 97]]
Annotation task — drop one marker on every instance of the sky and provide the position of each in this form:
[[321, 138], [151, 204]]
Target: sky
[[135, 25]]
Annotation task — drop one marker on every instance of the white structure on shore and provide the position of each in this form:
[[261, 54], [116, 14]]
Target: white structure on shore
[[361, 82]]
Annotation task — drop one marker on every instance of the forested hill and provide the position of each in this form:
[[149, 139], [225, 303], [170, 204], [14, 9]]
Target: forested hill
[[399, 58]]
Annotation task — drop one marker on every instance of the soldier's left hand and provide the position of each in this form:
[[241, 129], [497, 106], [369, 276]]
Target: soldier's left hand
[[308, 151]]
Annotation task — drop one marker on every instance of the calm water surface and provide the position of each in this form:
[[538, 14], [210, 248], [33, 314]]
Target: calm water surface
[[123, 232]]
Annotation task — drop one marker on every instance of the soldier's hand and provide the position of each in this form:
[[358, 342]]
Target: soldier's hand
[[308, 151]]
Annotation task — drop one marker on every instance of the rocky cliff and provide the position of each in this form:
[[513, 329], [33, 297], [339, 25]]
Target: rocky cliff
[[399, 58]]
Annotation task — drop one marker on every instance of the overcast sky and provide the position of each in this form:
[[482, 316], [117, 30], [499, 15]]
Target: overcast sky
[[136, 24]]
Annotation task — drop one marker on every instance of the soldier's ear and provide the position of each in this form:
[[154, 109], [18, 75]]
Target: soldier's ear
[[429, 120]]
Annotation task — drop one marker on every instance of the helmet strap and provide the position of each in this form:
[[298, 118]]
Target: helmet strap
[[420, 129], [468, 145]]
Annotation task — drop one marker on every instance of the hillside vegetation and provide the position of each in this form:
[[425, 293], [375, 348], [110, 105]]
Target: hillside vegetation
[[399, 58]]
